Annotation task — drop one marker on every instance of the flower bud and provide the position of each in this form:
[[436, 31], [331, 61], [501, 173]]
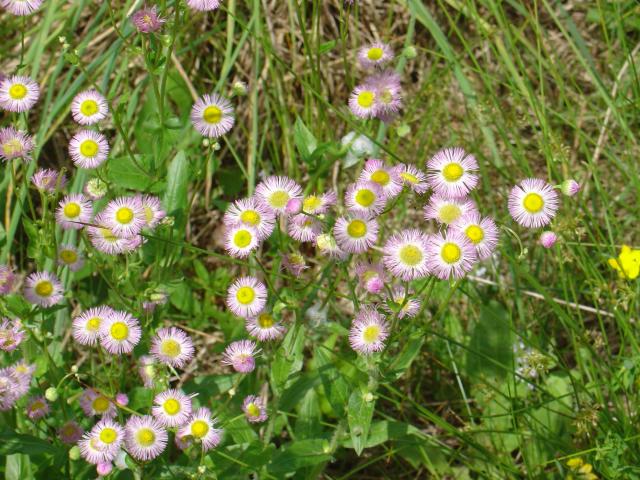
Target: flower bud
[[240, 88], [74, 453], [51, 394], [410, 52], [570, 187], [104, 468], [122, 399], [294, 206], [548, 239]]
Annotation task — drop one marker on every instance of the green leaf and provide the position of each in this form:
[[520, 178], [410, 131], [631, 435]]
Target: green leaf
[[288, 358], [175, 198], [299, 454], [327, 47], [12, 442], [305, 142], [124, 173], [359, 415]]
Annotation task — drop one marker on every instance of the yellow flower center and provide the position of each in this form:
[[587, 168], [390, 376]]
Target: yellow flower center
[[71, 210], [108, 235], [242, 238], [311, 203], [18, 91], [12, 147], [37, 405], [68, 256], [89, 107], [371, 333], [145, 437], [366, 99], [409, 177], [386, 96], [93, 324], [450, 213], [199, 428], [452, 172], [357, 228], [375, 53], [475, 233], [100, 404], [380, 177], [265, 320], [68, 431], [450, 252], [410, 255], [170, 348], [279, 199], [124, 215], [250, 216], [533, 202], [212, 114], [171, 406], [148, 214], [108, 435], [44, 288], [253, 410], [89, 148], [365, 197], [245, 295], [119, 331]]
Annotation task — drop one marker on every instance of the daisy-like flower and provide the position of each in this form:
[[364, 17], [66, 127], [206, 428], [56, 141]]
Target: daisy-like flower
[[73, 212], [120, 333], [376, 54], [548, 239], [15, 144], [452, 172], [304, 228], [274, 193], [203, 5], [366, 198], [387, 177], [405, 255], [124, 216], [7, 280], [48, 180], [241, 240], [318, 204], [104, 239], [202, 428], [88, 149], [147, 370], [93, 450], [212, 115], [95, 188], [147, 19], [96, 404], [401, 303], [18, 93], [248, 211], [22, 373], [363, 101], [43, 288], [144, 437], [37, 408], [446, 211], [11, 334], [481, 232], [533, 203], [264, 327], [70, 432], [172, 346], [371, 276], [69, 256], [241, 356], [21, 7], [328, 246], [254, 409], [85, 328], [388, 94], [294, 263], [89, 107], [108, 435], [172, 408], [8, 396], [368, 331], [355, 234], [246, 297], [451, 255], [415, 179]]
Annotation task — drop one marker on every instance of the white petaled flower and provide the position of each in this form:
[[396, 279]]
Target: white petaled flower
[[368, 331], [304, 228], [212, 115], [96, 404], [375, 54], [69, 256], [109, 435], [152, 207], [15, 144], [371, 276], [451, 255], [85, 328], [21, 7], [366, 198], [482, 232], [405, 255], [241, 355], [43, 288], [120, 333], [18, 93], [318, 204], [104, 239], [93, 450], [452, 172], [172, 346], [124, 216], [74, 211], [264, 327], [88, 149], [246, 297], [401, 303], [89, 107], [533, 203], [446, 211], [275, 192], [201, 428], [241, 240], [363, 101], [144, 437], [387, 177], [414, 178], [172, 408], [203, 5], [248, 211], [355, 234]]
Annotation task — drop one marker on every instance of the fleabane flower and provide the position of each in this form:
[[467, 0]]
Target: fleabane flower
[[368, 331], [363, 101], [482, 232], [548, 239], [11, 334], [94, 403], [15, 144], [95, 188], [7, 279], [120, 333], [48, 180], [446, 211], [246, 297], [405, 255], [294, 263], [304, 228], [388, 94], [43, 288], [74, 211], [366, 198], [172, 408], [533, 203], [172, 346], [450, 255], [88, 149], [203, 5], [70, 432], [371, 276], [37, 408], [387, 177], [18, 93], [254, 409], [413, 178], [69, 256], [248, 211], [375, 54], [452, 172], [103, 442], [89, 107], [319, 203], [241, 356], [401, 303], [103, 238], [152, 208], [124, 216], [21, 7], [275, 192], [241, 240], [85, 328], [144, 437], [147, 19], [264, 327], [327, 245], [212, 115], [201, 428], [147, 370], [355, 233]]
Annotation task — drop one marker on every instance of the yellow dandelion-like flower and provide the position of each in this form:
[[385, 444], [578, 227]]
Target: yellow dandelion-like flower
[[627, 264]]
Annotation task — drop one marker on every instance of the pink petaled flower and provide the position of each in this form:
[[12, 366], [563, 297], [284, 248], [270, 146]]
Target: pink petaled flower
[[212, 115], [70, 432], [49, 180], [89, 107], [405, 255], [103, 442], [122, 399], [145, 437], [96, 404], [15, 144], [120, 333], [368, 331], [147, 370], [85, 328], [264, 327], [105, 240], [318, 204], [328, 246], [88, 149], [74, 211], [172, 346], [203, 5], [294, 263], [388, 94], [482, 232], [7, 280], [254, 409], [570, 187], [371, 276], [401, 303], [450, 255], [246, 297], [172, 408], [275, 192], [18, 93], [294, 206], [104, 468], [22, 373], [250, 212], [452, 173], [125, 216], [11, 334], [241, 240], [375, 55], [355, 234], [363, 101], [241, 356], [70, 256], [533, 203], [366, 198], [147, 19], [387, 177], [201, 428], [304, 228], [415, 179], [21, 7], [43, 288], [37, 408], [446, 211], [548, 239], [152, 207]]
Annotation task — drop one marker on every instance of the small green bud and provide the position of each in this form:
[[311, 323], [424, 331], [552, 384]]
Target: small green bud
[[410, 52], [74, 453], [51, 394]]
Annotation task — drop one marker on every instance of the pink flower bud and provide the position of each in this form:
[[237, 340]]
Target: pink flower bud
[[570, 187], [104, 468], [375, 285], [294, 206], [548, 239], [122, 399]]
